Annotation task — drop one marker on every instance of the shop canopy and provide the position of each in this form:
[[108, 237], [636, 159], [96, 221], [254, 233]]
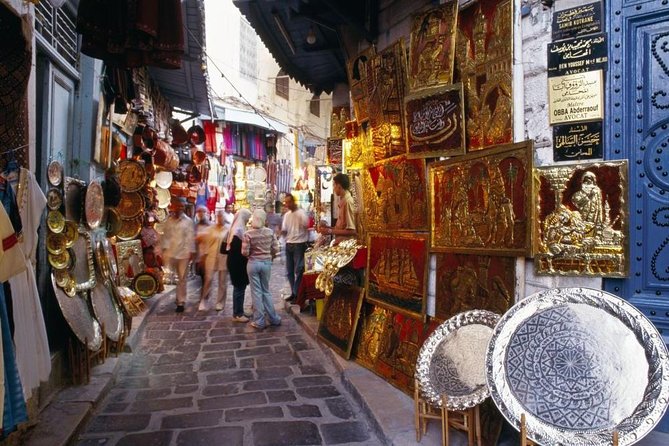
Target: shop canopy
[[306, 37], [249, 117]]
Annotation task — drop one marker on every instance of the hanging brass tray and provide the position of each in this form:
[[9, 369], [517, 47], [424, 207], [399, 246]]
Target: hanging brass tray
[[107, 311], [132, 175], [83, 270], [79, 318], [54, 173], [131, 205], [94, 206]]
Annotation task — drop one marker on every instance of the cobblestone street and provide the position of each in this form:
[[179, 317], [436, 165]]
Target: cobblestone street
[[198, 378]]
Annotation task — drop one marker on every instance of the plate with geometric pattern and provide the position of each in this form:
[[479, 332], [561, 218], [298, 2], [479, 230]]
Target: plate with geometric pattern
[[578, 363]]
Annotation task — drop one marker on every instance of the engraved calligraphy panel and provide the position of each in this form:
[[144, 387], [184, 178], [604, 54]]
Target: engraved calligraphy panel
[[577, 55], [576, 97], [397, 271], [432, 47], [471, 282], [435, 122], [340, 318], [582, 217], [357, 70], [575, 142], [395, 195], [483, 62], [481, 202], [572, 22]]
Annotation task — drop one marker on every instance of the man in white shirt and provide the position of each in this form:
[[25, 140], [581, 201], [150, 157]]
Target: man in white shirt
[[294, 228], [228, 215], [178, 243]]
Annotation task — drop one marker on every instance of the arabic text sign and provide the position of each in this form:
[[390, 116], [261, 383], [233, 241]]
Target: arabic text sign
[[577, 141], [578, 21], [577, 55], [576, 97]]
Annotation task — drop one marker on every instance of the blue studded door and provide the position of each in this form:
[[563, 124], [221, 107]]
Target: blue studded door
[[637, 123]]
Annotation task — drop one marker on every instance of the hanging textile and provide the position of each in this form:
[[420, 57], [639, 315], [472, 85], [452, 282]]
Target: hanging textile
[[209, 136]]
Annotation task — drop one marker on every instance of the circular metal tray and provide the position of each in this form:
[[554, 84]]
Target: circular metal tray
[[578, 363], [451, 362], [79, 318], [107, 311]]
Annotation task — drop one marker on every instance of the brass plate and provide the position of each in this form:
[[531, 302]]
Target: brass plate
[[59, 261], [55, 242], [70, 289], [131, 205], [54, 199], [94, 205], [161, 215], [145, 285], [113, 222], [132, 175], [130, 229], [63, 278], [163, 196], [54, 173], [55, 221], [107, 311], [83, 269], [71, 233]]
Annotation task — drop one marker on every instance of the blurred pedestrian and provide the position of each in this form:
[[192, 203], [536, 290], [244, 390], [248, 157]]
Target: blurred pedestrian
[[228, 214], [178, 243], [260, 245], [237, 264], [201, 224], [294, 228], [215, 263]]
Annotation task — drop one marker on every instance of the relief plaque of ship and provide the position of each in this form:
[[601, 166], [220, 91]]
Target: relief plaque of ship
[[395, 270]]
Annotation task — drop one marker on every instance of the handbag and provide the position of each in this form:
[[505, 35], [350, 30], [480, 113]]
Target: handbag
[[224, 246]]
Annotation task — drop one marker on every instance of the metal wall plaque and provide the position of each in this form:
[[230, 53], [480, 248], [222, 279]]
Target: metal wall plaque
[[130, 260], [397, 270], [574, 142], [358, 71], [340, 318], [335, 151], [581, 227], [435, 122], [470, 282], [578, 21], [587, 53], [481, 202], [340, 116], [576, 97], [357, 147], [432, 47], [395, 195]]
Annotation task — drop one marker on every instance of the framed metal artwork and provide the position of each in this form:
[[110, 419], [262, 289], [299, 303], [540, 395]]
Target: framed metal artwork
[[335, 151], [473, 282], [130, 260], [358, 71], [581, 227], [432, 47], [483, 63], [481, 203], [340, 116], [340, 318], [397, 269], [435, 122], [395, 195], [578, 363], [357, 147]]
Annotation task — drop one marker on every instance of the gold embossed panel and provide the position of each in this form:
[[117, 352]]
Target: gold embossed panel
[[358, 71], [431, 48], [481, 202], [357, 146], [582, 220], [340, 318], [483, 63], [395, 195]]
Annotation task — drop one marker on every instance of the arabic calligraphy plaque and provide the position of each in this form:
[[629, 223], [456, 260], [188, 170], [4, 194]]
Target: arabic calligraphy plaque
[[483, 62], [334, 151], [472, 282], [576, 97], [395, 195], [385, 86], [397, 271], [432, 47], [581, 227], [340, 318], [588, 53], [481, 202], [435, 124], [575, 142], [578, 21], [358, 71]]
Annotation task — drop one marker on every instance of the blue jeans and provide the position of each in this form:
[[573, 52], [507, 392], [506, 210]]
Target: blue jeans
[[295, 265], [238, 300], [259, 272]]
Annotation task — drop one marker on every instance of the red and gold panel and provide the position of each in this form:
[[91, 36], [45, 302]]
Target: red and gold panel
[[435, 122], [335, 151], [340, 116], [484, 64], [340, 318], [397, 270], [472, 282], [358, 71], [481, 202], [432, 47], [582, 220], [395, 195], [385, 86]]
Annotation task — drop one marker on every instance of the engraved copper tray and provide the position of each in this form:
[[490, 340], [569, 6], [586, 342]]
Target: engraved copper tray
[[578, 363], [107, 311], [451, 362], [79, 318]]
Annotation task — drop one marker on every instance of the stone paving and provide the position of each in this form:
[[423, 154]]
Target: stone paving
[[198, 378]]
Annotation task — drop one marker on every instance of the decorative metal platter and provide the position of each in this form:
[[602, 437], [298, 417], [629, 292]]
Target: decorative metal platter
[[451, 362], [83, 271], [164, 179], [54, 199], [79, 318], [259, 174], [132, 175], [94, 206], [163, 196], [54, 173], [107, 311], [145, 285], [130, 206], [578, 363]]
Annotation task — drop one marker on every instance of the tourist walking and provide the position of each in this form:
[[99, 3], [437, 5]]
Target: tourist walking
[[237, 264], [260, 245], [294, 229], [201, 224], [215, 263], [178, 243]]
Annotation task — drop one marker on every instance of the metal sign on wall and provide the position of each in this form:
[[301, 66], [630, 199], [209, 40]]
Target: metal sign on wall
[[577, 55], [577, 141], [576, 97], [578, 21]]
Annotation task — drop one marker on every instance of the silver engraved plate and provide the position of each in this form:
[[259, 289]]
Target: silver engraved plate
[[107, 311], [451, 362], [83, 271], [578, 363], [79, 318]]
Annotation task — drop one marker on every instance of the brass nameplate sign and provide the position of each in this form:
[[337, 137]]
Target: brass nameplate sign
[[576, 97], [573, 22]]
